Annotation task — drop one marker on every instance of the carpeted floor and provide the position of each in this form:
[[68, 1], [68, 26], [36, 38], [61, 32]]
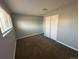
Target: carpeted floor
[[41, 47]]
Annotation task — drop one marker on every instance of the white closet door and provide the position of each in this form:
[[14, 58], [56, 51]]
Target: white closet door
[[54, 23], [47, 26]]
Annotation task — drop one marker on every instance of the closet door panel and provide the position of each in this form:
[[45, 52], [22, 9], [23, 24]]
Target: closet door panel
[[47, 23], [54, 24]]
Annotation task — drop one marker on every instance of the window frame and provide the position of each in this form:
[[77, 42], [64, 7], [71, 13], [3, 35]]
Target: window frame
[[7, 18]]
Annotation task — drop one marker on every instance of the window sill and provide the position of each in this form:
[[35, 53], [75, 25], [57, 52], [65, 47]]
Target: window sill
[[7, 32]]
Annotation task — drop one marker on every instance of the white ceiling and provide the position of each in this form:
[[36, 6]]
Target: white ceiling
[[34, 7]]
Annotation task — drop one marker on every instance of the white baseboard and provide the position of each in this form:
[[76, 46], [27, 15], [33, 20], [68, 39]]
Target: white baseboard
[[55, 40], [67, 45], [29, 35], [64, 44]]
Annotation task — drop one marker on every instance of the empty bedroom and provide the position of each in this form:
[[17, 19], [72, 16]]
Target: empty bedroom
[[38, 29]]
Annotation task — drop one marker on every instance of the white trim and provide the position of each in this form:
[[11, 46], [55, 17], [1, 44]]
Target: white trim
[[7, 32], [29, 35], [48, 37], [14, 51], [66, 45]]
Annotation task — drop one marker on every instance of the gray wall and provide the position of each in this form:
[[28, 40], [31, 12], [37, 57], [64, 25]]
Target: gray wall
[[27, 25], [7, 46], [67, 24], [7, 43]]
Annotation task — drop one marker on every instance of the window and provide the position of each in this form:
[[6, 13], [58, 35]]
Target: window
[[5, 21]]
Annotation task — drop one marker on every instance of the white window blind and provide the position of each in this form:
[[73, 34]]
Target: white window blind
[[5, 21]]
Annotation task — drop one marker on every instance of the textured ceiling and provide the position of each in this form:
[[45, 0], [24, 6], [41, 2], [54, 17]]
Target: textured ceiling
[[34, 7]]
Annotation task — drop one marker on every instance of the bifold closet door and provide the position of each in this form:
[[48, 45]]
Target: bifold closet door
[[54, 24], [47, 26]]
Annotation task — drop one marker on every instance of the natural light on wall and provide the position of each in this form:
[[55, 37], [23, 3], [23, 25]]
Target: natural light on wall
[[26, 25], [5, 21]]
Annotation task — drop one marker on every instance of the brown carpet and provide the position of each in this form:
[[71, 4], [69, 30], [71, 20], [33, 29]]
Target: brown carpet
[[41, 47]]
